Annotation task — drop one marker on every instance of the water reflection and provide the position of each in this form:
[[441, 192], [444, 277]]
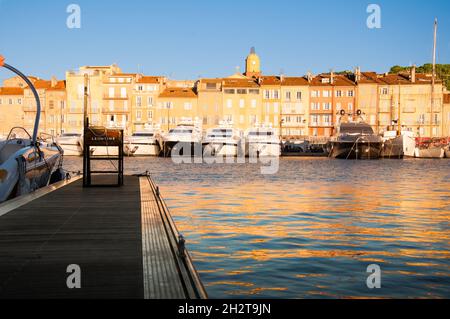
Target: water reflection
[[312, 229]]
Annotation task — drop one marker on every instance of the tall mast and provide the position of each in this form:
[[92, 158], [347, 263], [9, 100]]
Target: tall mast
[[433, 79]]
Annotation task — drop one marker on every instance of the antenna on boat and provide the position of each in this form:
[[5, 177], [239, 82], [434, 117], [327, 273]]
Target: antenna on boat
[[433, 79], [35, 94]]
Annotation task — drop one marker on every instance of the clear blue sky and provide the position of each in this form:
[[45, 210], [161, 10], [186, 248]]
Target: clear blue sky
[[209, 38]]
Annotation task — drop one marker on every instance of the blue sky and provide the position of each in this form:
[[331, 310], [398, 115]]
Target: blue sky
[[209, 38]]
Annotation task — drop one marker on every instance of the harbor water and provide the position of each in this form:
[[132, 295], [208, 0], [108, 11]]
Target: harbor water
[[312, 229]]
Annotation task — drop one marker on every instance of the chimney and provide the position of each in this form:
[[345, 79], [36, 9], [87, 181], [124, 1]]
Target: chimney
[[413, 74], [138, 77], [282, 77], [54, 81], [309, 76], [332, 76]]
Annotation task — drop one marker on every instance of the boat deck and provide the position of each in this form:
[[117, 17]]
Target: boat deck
[[122, 239]]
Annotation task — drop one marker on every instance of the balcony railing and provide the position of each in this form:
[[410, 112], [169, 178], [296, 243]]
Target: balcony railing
[[115, 97], [116, 109]]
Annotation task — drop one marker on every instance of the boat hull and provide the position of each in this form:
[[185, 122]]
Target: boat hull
[[221, 149], [182, 148], [431, 152], [352, 150], [27, 171], [141, 149], [398, 147], [263, 149]]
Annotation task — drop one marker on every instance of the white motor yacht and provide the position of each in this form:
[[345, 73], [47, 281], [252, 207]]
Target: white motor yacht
[[262, 141], [223, 140], [143, 143], [71, 143], [187, 135]]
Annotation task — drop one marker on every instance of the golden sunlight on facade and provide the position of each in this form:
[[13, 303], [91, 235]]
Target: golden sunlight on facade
[[294, 106]]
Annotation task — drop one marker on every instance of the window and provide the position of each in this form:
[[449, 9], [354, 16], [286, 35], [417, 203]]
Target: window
[[384, 91], [275, 107], [327, 119], [253, 91], [138, 115], [51, 104], [19, 101], [327, 106], [123, 92], [338, 93], [267, 94], [326, 93], [211, 86], [288, 95], [241, 91], [10, 101], [314, 119], [252, 119], [229, 103], [315, 106], [138, 101], [275, 94], [125, 105], [338, 106], [140, 87], [229, 91], [299, 95], [350, 93], [241, 103], [111, 92], [150, 101], [1, 101], [315, 94], [111, 105], [150, 114], [188, 106], [229, 118], [63, 105]]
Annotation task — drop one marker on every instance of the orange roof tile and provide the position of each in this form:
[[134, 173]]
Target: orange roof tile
[[240, 83], [338, 80], [178, 92], [148, 79], [11, 91], [294, 81]]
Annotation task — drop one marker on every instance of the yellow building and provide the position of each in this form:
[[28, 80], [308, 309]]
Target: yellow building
[[446, 115], [11, 109], [144, 100], [176, 104], [210, 101], [72, 117], [408, 97], [294, 107]]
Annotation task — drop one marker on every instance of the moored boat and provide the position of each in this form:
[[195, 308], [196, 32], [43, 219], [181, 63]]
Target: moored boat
[[185, 139], [71, 143], [27, 162], [262, 141], [143, 143], [355, 140], [223, 140], [398, 146], [429, 148]]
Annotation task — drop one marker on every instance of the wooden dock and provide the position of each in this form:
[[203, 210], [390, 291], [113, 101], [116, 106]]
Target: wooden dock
[[122, 239]]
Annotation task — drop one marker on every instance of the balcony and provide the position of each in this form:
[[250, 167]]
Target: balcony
[[115, 110], [115, 97]]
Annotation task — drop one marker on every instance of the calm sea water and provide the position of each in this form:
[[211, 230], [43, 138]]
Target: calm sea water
[[311, 230]]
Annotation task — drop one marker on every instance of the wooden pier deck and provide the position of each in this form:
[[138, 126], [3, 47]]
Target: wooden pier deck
[[123, 240]]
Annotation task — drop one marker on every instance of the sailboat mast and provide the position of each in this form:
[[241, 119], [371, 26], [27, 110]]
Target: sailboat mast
[[433, 79]]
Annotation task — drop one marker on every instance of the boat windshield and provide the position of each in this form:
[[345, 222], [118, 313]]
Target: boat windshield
[[261, 133], [70, 135], [180, 131], [356, 128], [220, 133], [143, 134]]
